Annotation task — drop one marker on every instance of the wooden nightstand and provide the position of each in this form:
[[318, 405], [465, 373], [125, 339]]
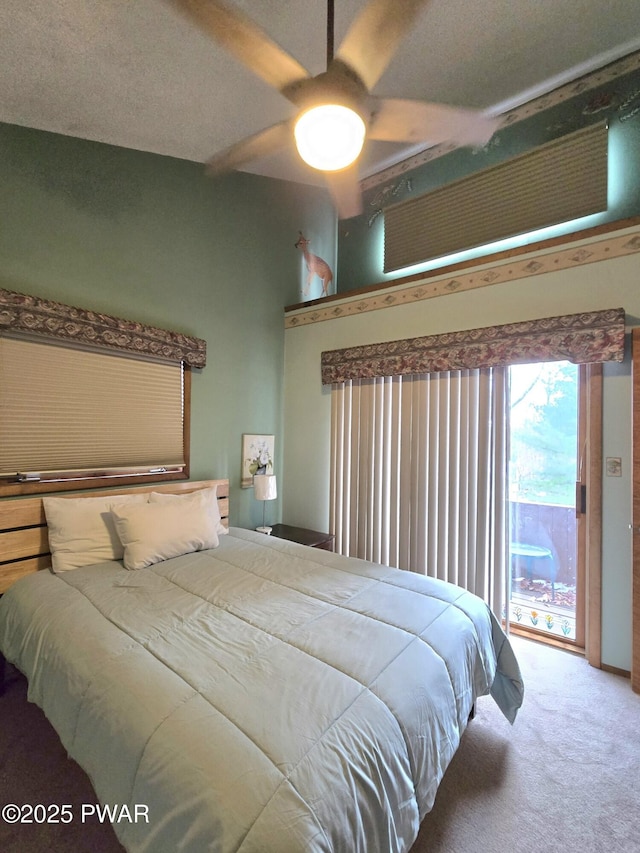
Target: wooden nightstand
[[312, 538]]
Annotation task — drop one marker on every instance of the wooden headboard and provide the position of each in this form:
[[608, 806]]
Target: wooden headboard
[[24, 541]]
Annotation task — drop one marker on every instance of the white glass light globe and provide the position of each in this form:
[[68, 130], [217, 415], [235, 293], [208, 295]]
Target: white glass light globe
[[329, 137]]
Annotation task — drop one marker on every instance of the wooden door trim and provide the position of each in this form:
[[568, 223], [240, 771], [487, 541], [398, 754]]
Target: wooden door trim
[[635, 594], [593, 518]]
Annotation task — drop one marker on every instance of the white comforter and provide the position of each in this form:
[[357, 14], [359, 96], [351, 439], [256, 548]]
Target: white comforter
[[262, 697]]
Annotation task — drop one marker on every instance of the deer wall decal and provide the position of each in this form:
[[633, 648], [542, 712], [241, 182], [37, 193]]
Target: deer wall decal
[[315, 266]]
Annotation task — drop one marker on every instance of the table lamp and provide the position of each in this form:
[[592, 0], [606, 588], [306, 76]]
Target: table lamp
[[264, 489]]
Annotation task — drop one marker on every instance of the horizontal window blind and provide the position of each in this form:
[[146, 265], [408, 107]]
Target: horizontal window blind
[[70, 411], [557, 182]]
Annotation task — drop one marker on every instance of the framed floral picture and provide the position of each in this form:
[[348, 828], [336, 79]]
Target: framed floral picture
[[257, 457]]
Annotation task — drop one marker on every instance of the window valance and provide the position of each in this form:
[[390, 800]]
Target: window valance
[[42, 317], [580, 338]]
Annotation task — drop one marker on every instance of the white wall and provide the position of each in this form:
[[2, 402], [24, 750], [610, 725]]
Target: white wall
[[606, 284]]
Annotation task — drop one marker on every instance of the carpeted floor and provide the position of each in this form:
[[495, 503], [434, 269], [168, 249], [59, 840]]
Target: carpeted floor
[[34, 768], [565, 777]]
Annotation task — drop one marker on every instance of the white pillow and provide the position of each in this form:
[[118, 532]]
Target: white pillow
[[82, 530], [209, 496], [158, 531]]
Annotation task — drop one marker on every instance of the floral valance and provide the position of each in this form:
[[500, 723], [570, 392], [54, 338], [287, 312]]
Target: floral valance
[[42, 317], [580, 338]]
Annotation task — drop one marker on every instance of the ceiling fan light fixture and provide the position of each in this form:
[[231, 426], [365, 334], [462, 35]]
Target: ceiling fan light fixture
[[329, 137]]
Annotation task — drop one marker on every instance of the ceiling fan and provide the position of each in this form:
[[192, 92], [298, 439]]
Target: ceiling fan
[[342, 92]]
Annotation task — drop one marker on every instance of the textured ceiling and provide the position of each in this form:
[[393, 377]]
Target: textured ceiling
[[137, 74]]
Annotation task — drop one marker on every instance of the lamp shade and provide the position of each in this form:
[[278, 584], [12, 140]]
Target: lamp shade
[[264, 487]]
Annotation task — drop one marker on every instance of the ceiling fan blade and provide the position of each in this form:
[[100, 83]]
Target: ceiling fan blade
[[375, 35], [344, 187], [398, 120], [252, 148], [238, 34]]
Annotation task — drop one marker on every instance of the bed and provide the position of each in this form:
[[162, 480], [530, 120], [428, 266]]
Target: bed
[[252, 695]]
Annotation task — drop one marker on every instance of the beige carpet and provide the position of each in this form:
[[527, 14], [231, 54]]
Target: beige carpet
[[565, 777]]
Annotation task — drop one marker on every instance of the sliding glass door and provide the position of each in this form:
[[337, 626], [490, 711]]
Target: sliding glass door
[[545, 497], [488, 478]]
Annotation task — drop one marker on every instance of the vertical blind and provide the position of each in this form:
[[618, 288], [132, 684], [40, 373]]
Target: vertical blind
[[70, 410], [419, 475]]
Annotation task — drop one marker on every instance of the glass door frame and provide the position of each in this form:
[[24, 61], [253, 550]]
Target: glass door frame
[[589, 523]]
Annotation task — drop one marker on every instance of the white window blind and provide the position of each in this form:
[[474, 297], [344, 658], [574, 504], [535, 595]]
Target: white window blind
[[67, 412], [557, 182]]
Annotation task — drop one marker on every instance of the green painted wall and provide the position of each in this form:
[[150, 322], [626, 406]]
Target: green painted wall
[[151, 239]]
